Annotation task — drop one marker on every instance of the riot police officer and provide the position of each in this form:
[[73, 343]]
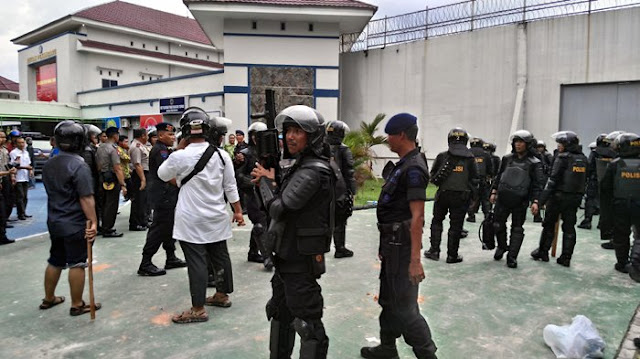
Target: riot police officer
[[400, 215], [246, 163], [485, 172], [343, 158], [606, 220], [547, 159], [456, 174], [598, 160], [518, 183], [163, 197], [621, 183], [299, 234], [89, 156], [562, 196]]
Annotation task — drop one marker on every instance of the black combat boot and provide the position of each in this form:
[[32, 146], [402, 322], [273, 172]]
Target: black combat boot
[[568, 244], [517, 236], [148, 269], [433, 253], [471, 218], [622, 267], [453, 243], [386, 350], [174, 262], [540, 255], [585, 224], [564, 260], [339, 241], [607, 245]]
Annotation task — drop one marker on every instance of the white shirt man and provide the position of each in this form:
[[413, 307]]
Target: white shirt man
[[202, 224], [20, 158]]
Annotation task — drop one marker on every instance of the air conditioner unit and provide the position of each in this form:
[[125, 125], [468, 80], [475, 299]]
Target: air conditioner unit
[[124, 123]]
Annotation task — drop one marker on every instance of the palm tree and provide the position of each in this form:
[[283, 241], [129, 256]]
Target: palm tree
[[360, 143]]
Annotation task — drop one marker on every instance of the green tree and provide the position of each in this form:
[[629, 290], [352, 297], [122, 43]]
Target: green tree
[[360, 143]]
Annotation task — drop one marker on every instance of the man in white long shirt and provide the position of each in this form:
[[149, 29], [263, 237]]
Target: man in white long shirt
[[202, 223], [20, 158]]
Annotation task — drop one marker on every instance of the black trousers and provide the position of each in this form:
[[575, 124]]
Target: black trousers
[[160, 233], [399, 299], [565, 206], [22, 188], [9, 196], [456, 204], [592, 203], [606, 221], [482, 200], [626, 214], [3, 218], [259, 220], [196, 256], [138, 214], [110, 201], [518, 216]]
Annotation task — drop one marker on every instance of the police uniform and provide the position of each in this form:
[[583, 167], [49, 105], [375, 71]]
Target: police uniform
[[301, 220], [453, 196], [519, 182], [89, 157], [139, 154], [562, 196], [107, 157], [254, 209], [163, 197], [343, 158], [598, 161], [621, 183], [485, 172]]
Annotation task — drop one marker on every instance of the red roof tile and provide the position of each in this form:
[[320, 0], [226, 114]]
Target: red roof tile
[[323, 3], [158, 55], [8, 85], [146, 19]]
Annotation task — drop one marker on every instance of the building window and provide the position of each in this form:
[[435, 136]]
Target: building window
[[109, 73], [156, 48], [283, 26], [131, 43], [186, 53], [109, 83], [100, 72], [117, 74], [142, 77], [207, 57], [144, 46], [254, 25], [196, 56], [310, 27]]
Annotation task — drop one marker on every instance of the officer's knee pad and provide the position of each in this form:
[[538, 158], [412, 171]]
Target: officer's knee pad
[[304, 328], [271, 309], [257, 229]]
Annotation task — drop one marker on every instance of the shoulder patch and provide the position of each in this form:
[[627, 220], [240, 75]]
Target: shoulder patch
[[414, 176], [164, 154]]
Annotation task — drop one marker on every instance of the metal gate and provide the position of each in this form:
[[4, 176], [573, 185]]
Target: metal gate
[[592, 109]]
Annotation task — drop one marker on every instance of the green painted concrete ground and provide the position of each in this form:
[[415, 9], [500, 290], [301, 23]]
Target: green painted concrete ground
[[476, 309]]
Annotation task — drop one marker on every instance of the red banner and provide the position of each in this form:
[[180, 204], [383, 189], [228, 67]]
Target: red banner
[[147, 121], [46, 83]]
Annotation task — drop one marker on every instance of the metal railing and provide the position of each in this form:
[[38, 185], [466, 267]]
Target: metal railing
[[468, 16]]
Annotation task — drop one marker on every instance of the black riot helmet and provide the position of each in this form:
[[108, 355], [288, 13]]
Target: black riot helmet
[[627, 144], [195, 123], [568, 139], [488, 146], [600, 140], [612, 137], [458, 135], [70, 136], [526, 137], [540, 143], [336, 130], [255, 127], [218, 128], [309, 120], [92, 130], [476, 142]]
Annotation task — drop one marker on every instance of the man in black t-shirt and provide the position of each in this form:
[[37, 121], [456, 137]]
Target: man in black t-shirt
[[71, 217], [400, 220]]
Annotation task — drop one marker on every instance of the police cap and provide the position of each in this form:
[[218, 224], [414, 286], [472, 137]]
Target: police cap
[[400, 123], [165, 127]]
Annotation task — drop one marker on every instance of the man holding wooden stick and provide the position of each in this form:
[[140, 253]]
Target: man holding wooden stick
[[71, 217]]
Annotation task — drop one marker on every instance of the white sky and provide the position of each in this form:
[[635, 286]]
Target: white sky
[[21, 16]]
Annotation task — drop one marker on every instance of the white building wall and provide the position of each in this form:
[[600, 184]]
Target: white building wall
[[470, 79]]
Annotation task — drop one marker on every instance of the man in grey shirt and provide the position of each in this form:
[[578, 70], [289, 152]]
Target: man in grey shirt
[[111, 181], [139, 154]]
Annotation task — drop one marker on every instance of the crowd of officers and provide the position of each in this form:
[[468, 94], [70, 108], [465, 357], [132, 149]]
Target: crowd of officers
[[531, 177], [301, 202]]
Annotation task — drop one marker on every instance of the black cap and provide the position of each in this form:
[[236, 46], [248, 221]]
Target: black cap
[[239, 132], [111, 131], [165, 126]]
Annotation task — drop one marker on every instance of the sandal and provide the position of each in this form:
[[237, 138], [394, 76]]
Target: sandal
[[85, 308], [189, 316], [50, 304]]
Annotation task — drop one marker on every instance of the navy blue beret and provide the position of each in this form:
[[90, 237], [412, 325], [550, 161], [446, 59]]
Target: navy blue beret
[[165, 126], [239, 132], [399, 123]]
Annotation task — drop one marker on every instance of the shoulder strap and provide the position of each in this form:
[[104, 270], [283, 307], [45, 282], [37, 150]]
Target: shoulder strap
[[202, 163]]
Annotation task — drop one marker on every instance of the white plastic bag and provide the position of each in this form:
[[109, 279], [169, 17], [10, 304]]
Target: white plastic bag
[[578, 340]]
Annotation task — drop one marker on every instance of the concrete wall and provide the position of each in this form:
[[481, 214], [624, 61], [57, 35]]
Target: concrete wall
[[471, 79]]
